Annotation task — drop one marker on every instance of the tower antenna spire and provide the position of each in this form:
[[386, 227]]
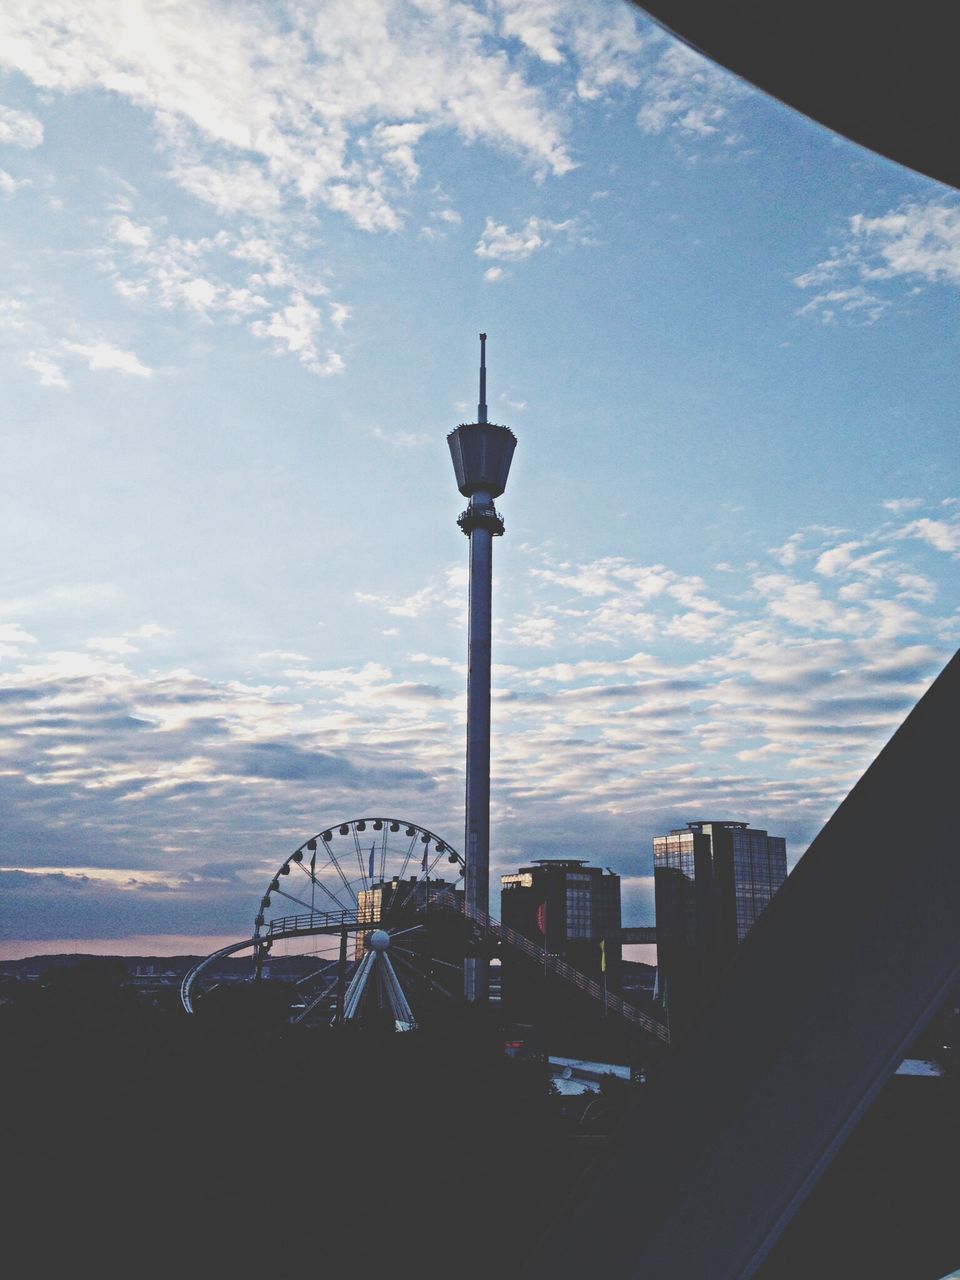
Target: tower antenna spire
[[482, 406]]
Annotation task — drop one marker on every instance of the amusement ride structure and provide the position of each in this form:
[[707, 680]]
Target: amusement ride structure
[[377, 906], [387, 935]]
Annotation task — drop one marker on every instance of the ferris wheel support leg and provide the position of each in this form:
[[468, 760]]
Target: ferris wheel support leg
[[358, 984], [341, 977], [399, 1005]]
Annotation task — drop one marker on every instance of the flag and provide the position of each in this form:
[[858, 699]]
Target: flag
[[542, 918], [603, 955], [313, 864], [423, 861], [372, 848]]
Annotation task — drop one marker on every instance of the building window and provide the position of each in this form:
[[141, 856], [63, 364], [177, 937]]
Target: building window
[[579, 912]]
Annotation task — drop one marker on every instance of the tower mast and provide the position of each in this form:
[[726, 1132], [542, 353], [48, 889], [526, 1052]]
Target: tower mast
[[481, 452]]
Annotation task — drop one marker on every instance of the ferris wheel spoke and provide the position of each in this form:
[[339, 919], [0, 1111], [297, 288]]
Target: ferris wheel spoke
[[339, 870], [403, 899], [383, 851], [318, 884], [412, 832], [293, 898], [447, 964], [444, 990], [405, 961], [315, 1000], [356, 841], [316, 973]]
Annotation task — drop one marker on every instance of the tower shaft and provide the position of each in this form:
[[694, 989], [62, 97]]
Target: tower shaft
[[477, 826]]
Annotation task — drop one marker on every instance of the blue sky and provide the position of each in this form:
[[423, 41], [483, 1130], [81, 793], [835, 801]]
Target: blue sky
[[247, 252]]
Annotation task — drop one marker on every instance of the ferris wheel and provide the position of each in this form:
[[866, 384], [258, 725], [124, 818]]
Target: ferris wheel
[[358, 923]]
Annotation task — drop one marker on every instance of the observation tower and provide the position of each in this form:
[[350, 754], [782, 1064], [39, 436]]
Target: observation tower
[[482, 452]]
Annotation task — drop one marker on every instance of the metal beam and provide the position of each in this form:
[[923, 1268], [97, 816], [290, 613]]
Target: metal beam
[[882, 75], [631, 934], [817, 1008]]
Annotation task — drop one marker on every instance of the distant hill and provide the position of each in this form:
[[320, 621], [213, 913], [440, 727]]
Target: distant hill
[[33, 967]]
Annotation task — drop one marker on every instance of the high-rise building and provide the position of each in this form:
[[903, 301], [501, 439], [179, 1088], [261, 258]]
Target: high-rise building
[[571, 911], [712, 881]]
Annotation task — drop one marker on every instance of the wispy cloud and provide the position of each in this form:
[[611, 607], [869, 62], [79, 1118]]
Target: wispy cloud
[[9, 185], [100, 356], [230, 278], [20, 128], [917, 243], [942, 535], [688, 95], [27, 330], [499, 242]]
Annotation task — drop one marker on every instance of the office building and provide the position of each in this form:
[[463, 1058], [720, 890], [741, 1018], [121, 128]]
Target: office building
[[571, 911], [712, 881]]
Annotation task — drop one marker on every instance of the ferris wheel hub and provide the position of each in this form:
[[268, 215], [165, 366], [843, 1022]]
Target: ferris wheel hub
[[379, 940]]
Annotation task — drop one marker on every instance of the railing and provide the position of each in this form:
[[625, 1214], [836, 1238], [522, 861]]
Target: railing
[[553, 964], [317, 920]]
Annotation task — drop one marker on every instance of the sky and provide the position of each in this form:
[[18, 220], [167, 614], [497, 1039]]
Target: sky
[[247, 251]]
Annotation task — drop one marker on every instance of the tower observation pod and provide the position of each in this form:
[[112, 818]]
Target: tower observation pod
[[481, 453]]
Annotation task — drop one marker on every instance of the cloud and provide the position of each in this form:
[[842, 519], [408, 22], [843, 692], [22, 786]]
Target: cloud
[[276, 121], [9, 185], [46, 368], [294, 329], [899, 505], [19, 128], [942, 535], [687, 94], [44, 351], [230, 278], [124, 643], [535, 633], [403, 439], [104, 357], [917, 243], [765, 704], [604, 41], [497, 241], [260, 106]]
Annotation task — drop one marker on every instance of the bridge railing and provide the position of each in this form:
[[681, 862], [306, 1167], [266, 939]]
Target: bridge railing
[[282, 925]]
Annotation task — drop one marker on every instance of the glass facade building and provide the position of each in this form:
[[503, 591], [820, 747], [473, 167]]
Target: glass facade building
[[712, 881]]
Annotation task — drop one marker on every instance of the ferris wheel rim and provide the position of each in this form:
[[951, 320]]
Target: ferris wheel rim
[[356, 826], [336, 881]]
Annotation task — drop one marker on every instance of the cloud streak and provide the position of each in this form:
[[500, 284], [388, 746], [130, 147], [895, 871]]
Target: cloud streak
[[762, 694]]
